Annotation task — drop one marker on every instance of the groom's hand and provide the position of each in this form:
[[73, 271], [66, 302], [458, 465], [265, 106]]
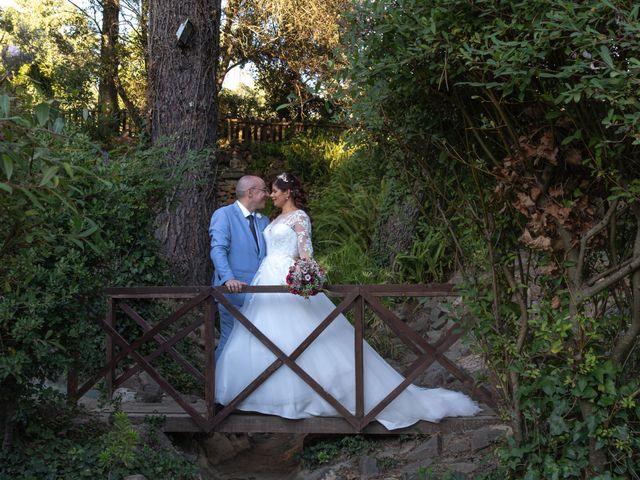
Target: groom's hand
[[234, 286]]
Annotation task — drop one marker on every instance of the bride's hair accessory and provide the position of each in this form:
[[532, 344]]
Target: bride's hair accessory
[[306, 277], [284, 177]]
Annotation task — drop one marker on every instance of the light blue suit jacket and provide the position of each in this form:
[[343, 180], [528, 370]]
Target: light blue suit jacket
[[233, 250]]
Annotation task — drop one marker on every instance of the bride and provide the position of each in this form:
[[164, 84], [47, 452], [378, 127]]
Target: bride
[[287, 319]]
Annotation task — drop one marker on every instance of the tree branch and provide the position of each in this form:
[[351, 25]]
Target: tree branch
[[626, 341], [610, 280], [607, 272], [597, 228], [86, 14]]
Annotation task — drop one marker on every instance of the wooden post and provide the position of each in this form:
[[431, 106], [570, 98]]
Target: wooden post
[[209, 358], [359, 363], [246, 132], [110, 375]]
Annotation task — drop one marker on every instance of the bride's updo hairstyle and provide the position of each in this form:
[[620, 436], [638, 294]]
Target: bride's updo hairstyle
[[287, 181]]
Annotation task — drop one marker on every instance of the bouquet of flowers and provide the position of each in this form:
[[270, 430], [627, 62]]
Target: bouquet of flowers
[[306, 277]]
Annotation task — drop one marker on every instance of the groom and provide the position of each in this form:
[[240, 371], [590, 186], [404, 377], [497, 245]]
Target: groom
[[237, 245]]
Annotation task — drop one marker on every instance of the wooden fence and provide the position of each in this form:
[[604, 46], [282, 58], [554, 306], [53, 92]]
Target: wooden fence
[[189, 417], [248, 130], [231, 130]]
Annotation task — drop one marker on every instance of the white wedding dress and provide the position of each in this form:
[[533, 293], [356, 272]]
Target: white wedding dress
[[287, 319]]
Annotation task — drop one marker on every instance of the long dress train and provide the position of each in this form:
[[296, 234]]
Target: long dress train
[[286, 320]]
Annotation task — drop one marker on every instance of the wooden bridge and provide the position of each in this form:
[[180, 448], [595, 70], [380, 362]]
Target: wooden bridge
[[198, 306]]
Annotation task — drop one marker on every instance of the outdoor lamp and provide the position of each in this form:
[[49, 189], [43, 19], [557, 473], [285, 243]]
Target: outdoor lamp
[[185, 33]]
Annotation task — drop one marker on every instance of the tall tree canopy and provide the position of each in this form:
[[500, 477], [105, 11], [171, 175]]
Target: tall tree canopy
[[291, 43], [51, 52]]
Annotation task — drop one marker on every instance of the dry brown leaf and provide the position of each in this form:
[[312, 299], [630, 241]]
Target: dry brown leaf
[[525, 201], [561, 213], [538, 222], [556, 190], [573, 157], [555, 302], [539, 243], [549, 269], [547, 149], [535, 193]]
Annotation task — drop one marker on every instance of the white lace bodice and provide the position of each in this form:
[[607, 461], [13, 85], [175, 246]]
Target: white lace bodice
[[290, 235]]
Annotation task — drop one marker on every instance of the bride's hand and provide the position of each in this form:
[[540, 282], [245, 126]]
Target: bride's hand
[[234, 286]]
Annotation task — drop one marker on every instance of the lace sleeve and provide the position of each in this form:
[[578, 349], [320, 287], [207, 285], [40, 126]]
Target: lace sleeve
[[302, 227]]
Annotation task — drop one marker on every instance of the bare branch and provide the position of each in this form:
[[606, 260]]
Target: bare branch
[[610, 280], [607, 272], [597, 228], [522, 304], [626, 341], [88, 15]]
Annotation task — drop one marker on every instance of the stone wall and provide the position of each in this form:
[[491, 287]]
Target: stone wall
[[235, 161]]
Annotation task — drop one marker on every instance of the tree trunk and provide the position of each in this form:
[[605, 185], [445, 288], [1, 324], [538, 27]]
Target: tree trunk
[[107, 91], [182, 98]]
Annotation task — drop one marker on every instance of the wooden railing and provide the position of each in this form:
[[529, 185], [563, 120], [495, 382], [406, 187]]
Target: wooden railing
[[250, 130], [89, 119], [356, 297], [231, 130]]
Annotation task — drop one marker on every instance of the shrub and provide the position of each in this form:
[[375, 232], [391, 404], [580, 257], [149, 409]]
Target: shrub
[[56, 445], [74, 223]]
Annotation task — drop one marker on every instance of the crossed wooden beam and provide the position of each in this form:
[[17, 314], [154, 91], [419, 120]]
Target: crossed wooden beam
[[355, 296]]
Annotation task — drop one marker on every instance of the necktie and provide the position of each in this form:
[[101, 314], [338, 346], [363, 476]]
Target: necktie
[[252, 227]]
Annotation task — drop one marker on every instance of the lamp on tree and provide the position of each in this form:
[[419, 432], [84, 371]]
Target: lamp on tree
[[185, 33]]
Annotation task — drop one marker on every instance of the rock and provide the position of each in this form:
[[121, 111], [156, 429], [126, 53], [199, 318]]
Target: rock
[[325, 473], [219, 447], [411, 470], [154, 437], [239, 442], [483, 437], [429, 449], [137, 476], [368, 466], [150, 391], [144, 388], [438, 319], [455, 443], [462, 467], [435, 376], [471, 363], [124, 395]]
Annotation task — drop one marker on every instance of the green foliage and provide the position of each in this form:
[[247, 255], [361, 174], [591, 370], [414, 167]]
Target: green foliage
[[49, 51], [327, 450], [553, 387], [454, 94], [426, 261], [348, 263], [73, 225], [316, 157], [245, 102], [119, 444], [57, 446], [346, 208]]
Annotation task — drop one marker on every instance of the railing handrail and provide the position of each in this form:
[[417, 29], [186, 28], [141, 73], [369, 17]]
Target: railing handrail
[[392, 290], [356, 297]]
